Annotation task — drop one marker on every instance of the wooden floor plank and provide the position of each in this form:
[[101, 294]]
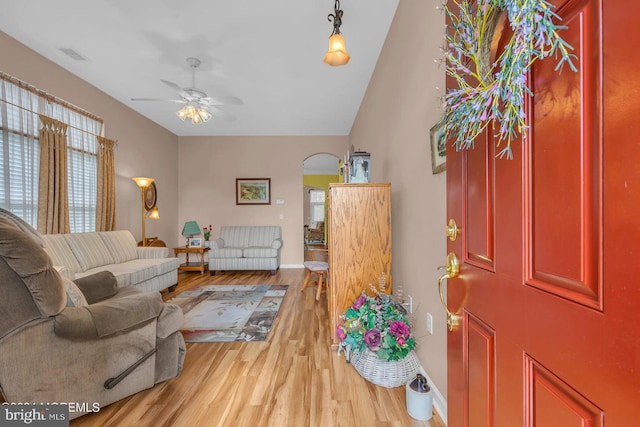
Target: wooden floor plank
[[292, 379]]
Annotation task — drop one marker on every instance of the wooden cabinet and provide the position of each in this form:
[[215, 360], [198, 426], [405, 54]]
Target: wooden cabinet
[[359, 243]]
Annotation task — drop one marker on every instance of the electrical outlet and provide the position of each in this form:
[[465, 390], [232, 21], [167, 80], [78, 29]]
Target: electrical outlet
[[410, 303], [429, 323]]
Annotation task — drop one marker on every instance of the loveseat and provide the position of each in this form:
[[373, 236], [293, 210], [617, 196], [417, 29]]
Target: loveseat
[[246, 248], [87, 343], [82, 254]]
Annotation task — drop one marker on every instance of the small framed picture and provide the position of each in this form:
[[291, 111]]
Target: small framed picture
[[438, 148], [253, 191], [195, 242]]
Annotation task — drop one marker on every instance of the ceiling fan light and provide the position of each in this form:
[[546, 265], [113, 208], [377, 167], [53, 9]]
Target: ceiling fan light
[[182, 114], [195, 119], [191, 110], [337, 53], [204, 114]]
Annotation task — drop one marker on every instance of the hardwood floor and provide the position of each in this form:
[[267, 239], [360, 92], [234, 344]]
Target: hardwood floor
[[293, 379]]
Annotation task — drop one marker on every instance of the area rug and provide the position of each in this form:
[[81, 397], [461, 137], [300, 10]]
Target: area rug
[[225, 313]]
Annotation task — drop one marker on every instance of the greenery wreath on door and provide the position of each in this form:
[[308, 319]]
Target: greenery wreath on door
[[493, 91]]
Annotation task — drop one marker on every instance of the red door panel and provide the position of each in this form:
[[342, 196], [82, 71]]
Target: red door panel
[[548, 288], [480, 346], [564, 167], [555, 403], [478, 196]]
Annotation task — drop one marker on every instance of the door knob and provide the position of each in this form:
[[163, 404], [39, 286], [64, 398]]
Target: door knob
[[452, 270], [452, 230]]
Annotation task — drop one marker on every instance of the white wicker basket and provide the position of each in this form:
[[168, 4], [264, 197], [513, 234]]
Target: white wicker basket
[[384, 373]]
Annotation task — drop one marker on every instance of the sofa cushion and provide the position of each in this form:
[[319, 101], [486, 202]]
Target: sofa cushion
[[137, 270], [97, 287], [60, 252], [152, 252], [75, 297], [121, 245], [143, 269], [226, 253], [122, 277], [259, 252], [166, 265], [89, 250]]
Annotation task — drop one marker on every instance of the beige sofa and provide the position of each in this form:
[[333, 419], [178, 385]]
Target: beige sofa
[[246, 248], [82, 254]]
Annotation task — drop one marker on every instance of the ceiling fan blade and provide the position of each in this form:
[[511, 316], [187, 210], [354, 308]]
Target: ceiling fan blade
[[216, 112], [221, 100], [179, 101], [172, 85], [177, 88]]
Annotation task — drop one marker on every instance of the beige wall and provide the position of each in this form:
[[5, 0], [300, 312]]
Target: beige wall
[[207, 172], [144, 148], [400, 106], [196, 175]]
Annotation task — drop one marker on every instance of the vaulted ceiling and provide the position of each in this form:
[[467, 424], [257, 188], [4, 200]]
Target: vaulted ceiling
[[267, 53]]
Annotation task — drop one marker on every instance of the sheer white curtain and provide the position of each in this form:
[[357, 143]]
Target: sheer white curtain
[[20, 105], [19, 152]]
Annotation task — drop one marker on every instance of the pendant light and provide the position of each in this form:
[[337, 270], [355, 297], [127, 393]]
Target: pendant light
[[337, 53]]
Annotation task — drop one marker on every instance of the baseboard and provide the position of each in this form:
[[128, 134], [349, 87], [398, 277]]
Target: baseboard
[[439, 401], [291, 266]]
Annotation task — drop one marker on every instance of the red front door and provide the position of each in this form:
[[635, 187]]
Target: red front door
[[549, 283]]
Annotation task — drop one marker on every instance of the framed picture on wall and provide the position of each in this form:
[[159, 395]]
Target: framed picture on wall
[[253, 191], [438, 148]]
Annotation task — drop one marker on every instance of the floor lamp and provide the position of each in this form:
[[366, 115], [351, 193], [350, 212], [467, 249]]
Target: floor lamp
[[153, 212]]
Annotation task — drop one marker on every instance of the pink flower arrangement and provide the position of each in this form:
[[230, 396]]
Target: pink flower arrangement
[[207, 232], [377, 324]]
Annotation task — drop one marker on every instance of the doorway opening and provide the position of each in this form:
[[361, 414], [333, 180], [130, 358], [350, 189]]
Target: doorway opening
[[319, 170]]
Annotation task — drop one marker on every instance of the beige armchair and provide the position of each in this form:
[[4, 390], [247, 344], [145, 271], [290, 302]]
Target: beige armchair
[[87, 342]]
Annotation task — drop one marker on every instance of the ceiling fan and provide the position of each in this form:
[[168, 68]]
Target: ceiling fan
[[199, 107]]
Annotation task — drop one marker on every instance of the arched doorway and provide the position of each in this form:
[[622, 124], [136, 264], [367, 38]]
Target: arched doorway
[[318, 171]]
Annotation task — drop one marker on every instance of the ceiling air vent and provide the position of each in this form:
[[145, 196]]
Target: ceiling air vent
[[72, 54]]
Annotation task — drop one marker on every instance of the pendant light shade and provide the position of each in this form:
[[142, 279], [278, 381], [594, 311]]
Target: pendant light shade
[[337, 53]]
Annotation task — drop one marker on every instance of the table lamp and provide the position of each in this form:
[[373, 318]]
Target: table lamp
[[190, 229]]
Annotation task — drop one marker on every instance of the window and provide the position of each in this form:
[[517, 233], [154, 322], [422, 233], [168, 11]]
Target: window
[[316, 200], [19, 152], [20, 105]]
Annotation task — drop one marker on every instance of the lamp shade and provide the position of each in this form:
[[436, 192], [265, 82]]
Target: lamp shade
[[143, 182], [337, 54], [154, 213], [191, 228]]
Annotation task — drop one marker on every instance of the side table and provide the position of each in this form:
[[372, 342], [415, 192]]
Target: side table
[[202, 266]]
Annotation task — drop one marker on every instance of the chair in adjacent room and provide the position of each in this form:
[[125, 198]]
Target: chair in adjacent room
[[319, 266]]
